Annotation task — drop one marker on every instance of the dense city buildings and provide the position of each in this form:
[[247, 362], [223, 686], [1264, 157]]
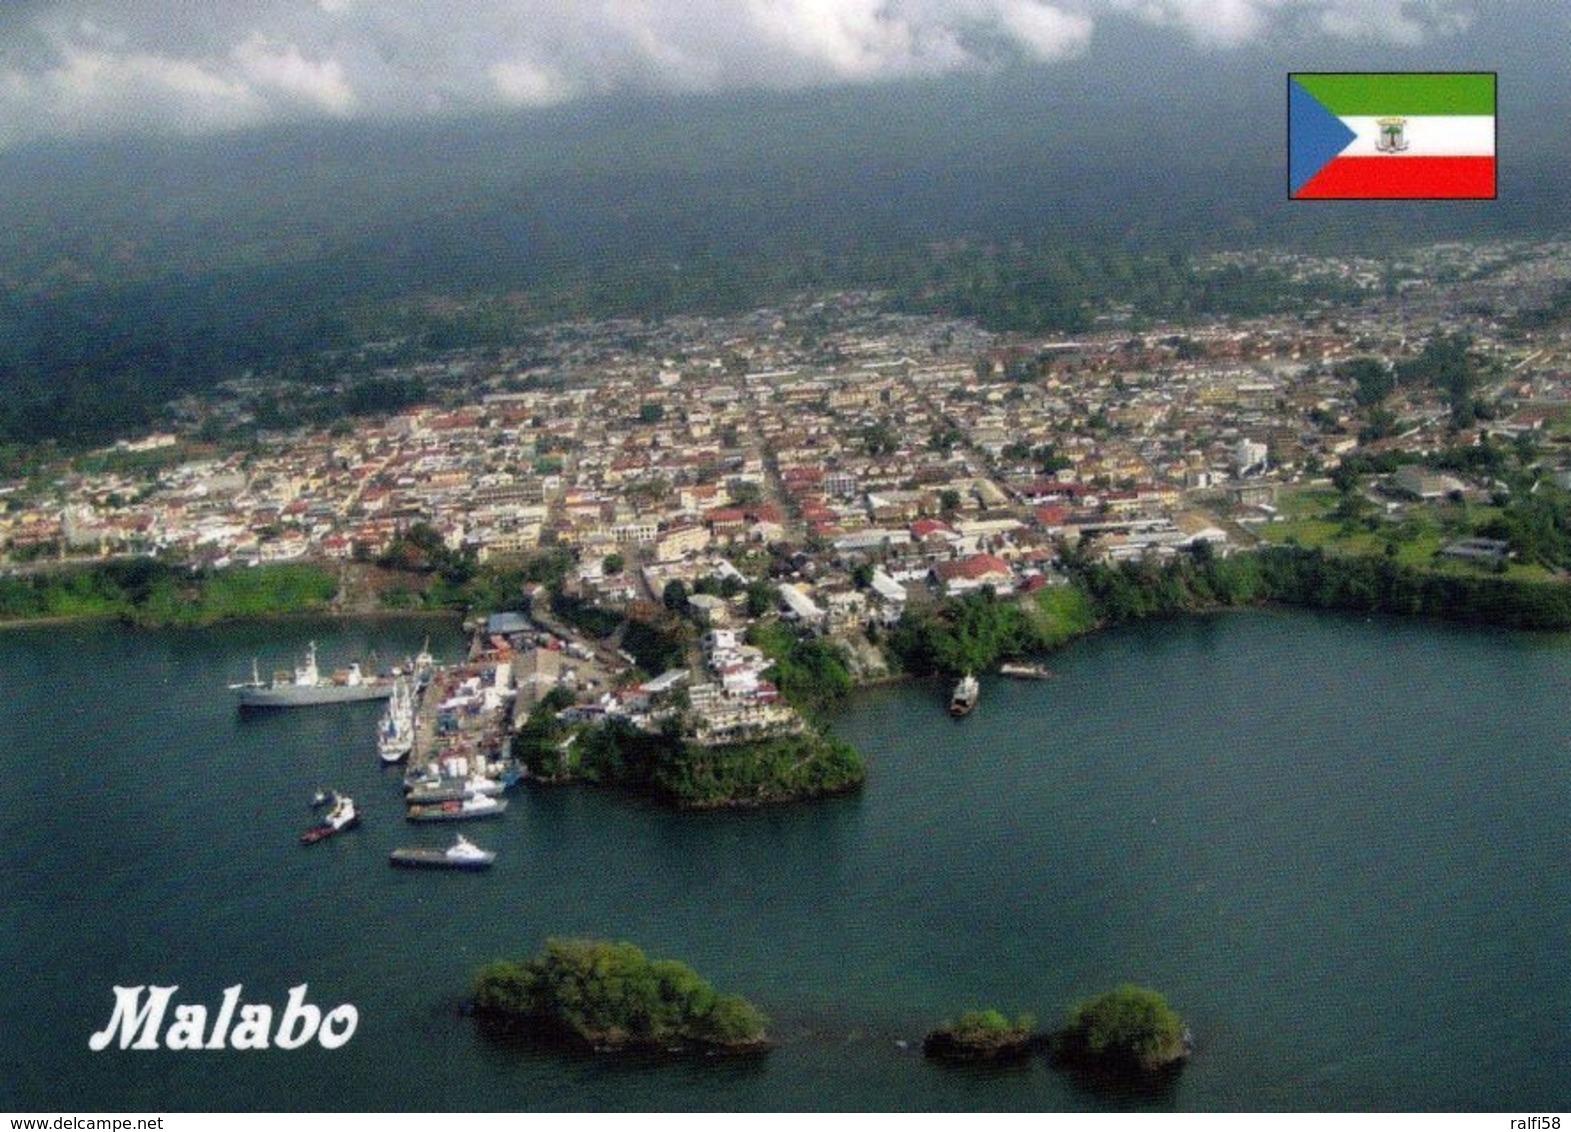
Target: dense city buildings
[[838, 431]]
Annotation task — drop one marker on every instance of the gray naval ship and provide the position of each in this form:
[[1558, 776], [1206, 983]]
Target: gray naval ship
[[308, 688]]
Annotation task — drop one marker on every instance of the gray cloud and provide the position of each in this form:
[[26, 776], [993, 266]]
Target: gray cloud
[[86, 67]]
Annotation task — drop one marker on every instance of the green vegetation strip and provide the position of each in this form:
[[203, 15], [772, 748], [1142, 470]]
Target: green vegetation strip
[[148, 592]]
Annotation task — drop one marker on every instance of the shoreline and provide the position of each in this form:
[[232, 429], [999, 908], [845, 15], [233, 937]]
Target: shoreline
[[889, 679], [119, 619]]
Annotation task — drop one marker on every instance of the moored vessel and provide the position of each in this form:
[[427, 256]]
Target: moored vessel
[[395, 734], [424, 666], [965, 695], [454, 789], [307, 687], [1025, 671], [462, 854], [475, 806]]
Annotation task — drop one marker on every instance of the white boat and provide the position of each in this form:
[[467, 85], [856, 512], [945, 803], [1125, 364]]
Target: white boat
[[475, 806], [395, 734], [454, 789], [965, 696], [424, 666], [1026, 671], [462, 854], [307, 687], [342, 816]]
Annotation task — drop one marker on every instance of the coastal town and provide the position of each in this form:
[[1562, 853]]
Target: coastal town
[[856, 458]]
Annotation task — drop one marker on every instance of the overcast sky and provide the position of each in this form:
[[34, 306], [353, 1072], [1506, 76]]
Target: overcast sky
[[84, 68]]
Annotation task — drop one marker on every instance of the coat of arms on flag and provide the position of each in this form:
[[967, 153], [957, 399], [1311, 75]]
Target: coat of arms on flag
[[1391, 136]]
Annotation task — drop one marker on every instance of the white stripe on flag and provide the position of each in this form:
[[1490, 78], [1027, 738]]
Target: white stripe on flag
[[1462, 135]]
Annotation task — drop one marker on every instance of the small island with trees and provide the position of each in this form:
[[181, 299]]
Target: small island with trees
[[1131, 1030], [609, 997], [981, 1035]]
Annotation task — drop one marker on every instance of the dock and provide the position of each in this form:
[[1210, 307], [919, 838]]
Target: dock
[[463, 720]]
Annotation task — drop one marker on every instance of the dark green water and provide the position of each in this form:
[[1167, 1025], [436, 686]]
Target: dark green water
[[1341, 848]]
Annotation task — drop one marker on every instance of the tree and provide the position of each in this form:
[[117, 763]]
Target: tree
[[949, 499], [1132, 1025], [1382, 423], [651, 412], [610, 995], [761, 598], [1048, 459], [981, 1035], [944, 439], [613, 563], [1373, 380], [674, 596], [880, 439], [1344, 477]]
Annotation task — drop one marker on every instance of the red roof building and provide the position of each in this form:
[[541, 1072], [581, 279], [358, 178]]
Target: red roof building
[[930, 528]]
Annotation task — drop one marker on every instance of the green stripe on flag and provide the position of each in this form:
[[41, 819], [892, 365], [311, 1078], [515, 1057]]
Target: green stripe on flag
[[1372, 94]]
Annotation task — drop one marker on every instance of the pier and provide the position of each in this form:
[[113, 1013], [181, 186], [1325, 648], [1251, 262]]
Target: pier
[[463, 717]]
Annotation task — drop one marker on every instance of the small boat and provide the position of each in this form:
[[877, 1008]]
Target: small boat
[[341, 817], [1025, 671], [476, 806], [965, 696], [462, 854], [454, 789]]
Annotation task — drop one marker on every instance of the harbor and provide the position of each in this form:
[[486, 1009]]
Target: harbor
[[848, 920], [458, 721], [445, 726]]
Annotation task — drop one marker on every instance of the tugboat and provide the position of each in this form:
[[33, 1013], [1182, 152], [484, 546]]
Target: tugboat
[[965, 696], [462, 854], [341, 817]]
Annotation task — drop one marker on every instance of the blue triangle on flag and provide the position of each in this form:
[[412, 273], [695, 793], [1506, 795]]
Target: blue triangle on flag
[[1314, 136]]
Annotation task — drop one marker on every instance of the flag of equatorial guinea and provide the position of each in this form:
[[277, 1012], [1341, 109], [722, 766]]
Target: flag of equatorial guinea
[[1391, 136]]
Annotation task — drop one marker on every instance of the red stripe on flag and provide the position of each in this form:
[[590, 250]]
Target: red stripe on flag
[[1402, 178]]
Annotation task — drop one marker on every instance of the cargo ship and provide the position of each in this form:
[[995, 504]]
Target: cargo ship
[[307, 687]]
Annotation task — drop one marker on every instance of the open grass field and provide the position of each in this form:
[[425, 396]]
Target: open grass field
[[1415, 534]]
